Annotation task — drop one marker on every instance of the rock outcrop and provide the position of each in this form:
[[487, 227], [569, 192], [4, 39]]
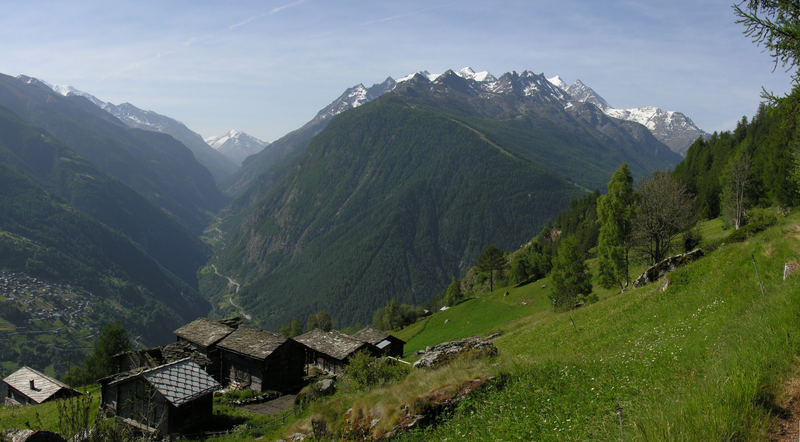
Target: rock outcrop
[[444, 353], [790, 268], [665, 266]]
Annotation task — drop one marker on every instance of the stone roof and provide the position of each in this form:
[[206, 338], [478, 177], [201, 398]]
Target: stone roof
[[373, 335], [181, 350], [333, 343], [252, 341], [179, 382], [44, 387], [204, 332]]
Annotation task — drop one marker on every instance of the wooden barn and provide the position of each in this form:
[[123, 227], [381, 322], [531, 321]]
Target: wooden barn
[[202, 335], [28, 386], [330, 351], [388, 345], [173, 398], [261, 359]]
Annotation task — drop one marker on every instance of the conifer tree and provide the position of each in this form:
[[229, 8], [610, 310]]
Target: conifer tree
[[570, 276], [492, 259], [736, 187], [614, 213]]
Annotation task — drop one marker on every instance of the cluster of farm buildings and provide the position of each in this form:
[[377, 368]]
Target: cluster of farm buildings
[[170, 388]]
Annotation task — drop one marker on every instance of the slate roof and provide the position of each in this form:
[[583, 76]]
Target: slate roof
[[252, 341], [204, 332], [373, 335], [333, 343], [181, 381], [45, 386]]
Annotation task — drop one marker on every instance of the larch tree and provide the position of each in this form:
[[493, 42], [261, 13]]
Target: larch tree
[[614, 214], [736, 185], [570, 275]]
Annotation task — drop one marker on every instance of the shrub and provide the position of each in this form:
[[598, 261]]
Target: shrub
[[365, 372], [691, 239]]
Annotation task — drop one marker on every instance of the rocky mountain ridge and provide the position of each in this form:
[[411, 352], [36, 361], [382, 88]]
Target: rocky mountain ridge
[[219, 165], [672, 128]]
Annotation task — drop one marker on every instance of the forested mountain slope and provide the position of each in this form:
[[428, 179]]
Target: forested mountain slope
[[156, 165], [41, 157], [414, 185], [42, 236]]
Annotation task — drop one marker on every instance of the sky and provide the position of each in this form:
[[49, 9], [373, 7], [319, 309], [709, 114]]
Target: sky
[[267, 67]]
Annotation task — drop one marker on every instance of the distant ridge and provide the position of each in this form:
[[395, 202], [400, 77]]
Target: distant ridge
[[236, 145]]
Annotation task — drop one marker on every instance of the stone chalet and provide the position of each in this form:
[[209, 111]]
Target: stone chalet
[[330, 351], [28, 386], [173, 398], [203, 334], [388, 345], [261, 359], [153, 357]]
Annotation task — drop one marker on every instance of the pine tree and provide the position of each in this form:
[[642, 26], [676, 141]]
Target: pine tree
[[492, 259], [614, 213], [570, 276]]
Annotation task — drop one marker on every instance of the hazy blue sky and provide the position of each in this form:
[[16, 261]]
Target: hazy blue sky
[[267, 67]]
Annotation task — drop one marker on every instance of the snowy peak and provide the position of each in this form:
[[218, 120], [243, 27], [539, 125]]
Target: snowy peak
[[236, 145], [354, 97], [427, 75], [672, 128], [469, 74], [558, 82], [585, 94]]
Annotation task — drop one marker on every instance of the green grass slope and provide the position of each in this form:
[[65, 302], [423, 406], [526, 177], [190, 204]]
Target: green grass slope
[[703, 360]]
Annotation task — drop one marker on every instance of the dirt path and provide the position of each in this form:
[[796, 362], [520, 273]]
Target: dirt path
[[274, 406], [232, 282]]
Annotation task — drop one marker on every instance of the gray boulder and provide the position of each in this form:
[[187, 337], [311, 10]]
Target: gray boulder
[[665, 266], [444, 353]]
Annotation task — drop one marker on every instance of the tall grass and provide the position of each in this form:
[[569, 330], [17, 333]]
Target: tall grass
[[701, 361]]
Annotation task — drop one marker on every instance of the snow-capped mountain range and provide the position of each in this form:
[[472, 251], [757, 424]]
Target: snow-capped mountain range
[[237, 145], [217, 163], [672, 128]]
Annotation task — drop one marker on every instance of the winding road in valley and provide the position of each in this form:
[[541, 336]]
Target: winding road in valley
[[232, 282]]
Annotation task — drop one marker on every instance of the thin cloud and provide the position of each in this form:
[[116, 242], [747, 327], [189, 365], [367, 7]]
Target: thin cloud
[[286, 6]]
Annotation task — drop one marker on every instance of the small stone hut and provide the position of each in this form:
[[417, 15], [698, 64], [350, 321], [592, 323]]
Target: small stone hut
[[330, 351], [388, 345], [202, 335], [28, 386], [261, 359], [173, 398]]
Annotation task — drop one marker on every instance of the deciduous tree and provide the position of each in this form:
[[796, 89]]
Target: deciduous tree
[[321, 320], [664, 211]]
